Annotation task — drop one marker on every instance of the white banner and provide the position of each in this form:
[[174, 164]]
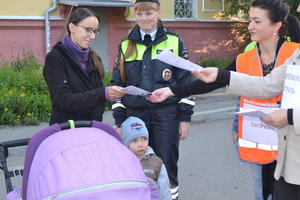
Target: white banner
[[255, 130], [291, 89]]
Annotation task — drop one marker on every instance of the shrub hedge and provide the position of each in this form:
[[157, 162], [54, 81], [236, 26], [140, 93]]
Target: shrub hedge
[[24, 96], [214, 62]]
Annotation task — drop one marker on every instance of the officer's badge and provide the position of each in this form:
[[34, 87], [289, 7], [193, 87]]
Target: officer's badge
[[185, 55], [167, 74]]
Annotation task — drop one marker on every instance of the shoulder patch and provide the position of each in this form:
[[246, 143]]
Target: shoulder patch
[[171, 32]]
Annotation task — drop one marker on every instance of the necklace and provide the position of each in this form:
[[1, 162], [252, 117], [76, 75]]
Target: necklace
[[267, 68]]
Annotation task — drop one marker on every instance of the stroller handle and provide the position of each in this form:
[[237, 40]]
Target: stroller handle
[[15, 143], [77, 124]]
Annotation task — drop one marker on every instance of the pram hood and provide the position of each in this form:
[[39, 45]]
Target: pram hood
[[85, 163]]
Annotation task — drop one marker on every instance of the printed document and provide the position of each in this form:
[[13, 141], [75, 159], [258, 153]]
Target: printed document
[[136, 91], [291, 89], [168, 57], [251, 113], [257, 131]]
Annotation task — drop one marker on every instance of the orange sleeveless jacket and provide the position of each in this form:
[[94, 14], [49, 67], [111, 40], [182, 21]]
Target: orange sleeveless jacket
[[249, 63]]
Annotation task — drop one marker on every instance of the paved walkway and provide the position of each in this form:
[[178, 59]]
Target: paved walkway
[[209, 107]]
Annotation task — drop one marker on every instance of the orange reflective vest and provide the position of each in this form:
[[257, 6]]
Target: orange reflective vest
[[250, 63]]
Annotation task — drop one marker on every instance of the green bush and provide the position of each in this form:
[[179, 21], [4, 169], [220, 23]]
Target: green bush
[[214, 62], [24, 96], [106, 82]]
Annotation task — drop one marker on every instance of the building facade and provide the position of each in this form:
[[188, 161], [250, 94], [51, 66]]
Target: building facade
[[34, 26]]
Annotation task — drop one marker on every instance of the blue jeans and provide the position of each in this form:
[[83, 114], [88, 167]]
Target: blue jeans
[[257, 174], [256, 169]]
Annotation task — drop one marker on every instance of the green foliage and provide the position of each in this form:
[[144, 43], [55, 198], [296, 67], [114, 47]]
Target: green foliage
[[24, 97], [236, 7], [214, 62], [240, 8], [106, 82], [293, 7]]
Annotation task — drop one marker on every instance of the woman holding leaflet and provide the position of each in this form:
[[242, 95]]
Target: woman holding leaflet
[[268, 42], [74, 72]]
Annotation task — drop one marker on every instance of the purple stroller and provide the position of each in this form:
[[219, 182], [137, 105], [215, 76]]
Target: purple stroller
[[87, 162]]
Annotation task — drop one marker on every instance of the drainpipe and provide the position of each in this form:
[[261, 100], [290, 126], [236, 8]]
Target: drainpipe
[[47, 25]]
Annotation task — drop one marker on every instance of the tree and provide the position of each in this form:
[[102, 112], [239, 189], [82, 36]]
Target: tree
[[240, 9], [236, 6]]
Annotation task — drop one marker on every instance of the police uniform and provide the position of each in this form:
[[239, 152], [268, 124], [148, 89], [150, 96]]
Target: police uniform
[[145, 71]]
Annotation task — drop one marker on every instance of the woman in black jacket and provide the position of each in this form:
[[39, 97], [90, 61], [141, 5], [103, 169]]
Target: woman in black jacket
[[74, 73]]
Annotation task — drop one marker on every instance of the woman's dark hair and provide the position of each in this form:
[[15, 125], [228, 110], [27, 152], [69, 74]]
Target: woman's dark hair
[[279, 12], [77, 16], [80, 14]]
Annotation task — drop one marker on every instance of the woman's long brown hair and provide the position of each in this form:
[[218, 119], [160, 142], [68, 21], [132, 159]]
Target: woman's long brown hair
[[97, 61], [77, 16]]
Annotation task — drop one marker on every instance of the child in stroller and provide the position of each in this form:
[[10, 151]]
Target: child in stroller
[[135, 137], [86, 162]]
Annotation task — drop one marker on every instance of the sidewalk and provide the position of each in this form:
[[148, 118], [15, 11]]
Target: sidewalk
[[209, 107], [213, 106]]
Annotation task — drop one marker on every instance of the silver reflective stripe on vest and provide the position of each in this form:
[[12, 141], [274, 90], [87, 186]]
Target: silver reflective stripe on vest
[[101, 187], [248, 144], [116, 105], [187, 101]]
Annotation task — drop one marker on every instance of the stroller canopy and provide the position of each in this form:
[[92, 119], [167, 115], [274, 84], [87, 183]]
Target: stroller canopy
[[82, 163]]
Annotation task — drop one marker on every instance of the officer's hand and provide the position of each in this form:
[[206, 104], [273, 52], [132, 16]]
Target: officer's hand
[[277, 119], [184, 129], [206, 75], [115, 92], [160, 95]]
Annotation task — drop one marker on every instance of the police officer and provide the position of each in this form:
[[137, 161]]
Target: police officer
[[138, 65]]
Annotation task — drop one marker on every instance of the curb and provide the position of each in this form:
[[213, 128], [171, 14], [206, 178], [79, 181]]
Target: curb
[[212, 115]]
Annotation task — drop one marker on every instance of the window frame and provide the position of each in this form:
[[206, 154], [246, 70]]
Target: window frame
[[194, 11]]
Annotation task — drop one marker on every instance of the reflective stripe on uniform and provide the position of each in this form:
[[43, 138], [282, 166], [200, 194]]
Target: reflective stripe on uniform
[[248, 144], [174, 192], [116, 105], [171, 43], [187, 101]]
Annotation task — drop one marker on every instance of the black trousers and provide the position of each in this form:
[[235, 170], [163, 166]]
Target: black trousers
[[162, 123], [268, 179], [285, 191]]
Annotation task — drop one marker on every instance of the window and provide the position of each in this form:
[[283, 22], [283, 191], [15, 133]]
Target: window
[[184, 8]]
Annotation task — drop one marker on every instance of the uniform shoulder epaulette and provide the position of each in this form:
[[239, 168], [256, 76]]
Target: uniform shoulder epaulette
[[124, 38], [171, 32]]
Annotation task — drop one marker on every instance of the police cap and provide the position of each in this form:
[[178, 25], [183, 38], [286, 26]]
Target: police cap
[[152, 1]]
